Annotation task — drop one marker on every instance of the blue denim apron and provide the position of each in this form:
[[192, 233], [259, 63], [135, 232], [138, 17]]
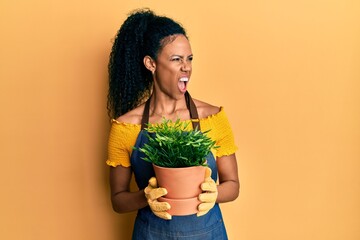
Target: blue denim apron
[[148, 226]]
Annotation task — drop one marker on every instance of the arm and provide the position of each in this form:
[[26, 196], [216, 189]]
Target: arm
[[229, 186], [121, 198], [226, 191]]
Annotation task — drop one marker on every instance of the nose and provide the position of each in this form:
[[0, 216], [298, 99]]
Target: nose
[[186, 66]]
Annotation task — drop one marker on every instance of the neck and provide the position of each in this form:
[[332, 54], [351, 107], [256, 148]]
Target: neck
[[165, 106]]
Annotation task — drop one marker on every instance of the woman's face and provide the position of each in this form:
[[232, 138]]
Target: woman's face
[[173, 67]]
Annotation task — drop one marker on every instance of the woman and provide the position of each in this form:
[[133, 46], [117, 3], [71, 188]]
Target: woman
[[149, 70]]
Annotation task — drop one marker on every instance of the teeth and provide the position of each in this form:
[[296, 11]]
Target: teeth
[[184, 79]]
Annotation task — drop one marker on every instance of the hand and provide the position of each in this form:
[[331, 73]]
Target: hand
[[209, 195], [152, 193]]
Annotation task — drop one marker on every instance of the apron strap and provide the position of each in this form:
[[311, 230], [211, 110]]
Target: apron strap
[[145, 117], [193, 111], [189, 104]]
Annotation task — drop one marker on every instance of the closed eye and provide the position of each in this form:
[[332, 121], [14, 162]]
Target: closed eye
[[176, 59]]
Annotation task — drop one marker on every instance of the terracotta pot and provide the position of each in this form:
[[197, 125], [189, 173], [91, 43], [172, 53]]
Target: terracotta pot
[[182, 207], [181, 183]]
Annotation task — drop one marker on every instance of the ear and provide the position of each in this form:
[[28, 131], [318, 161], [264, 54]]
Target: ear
[[149, 64]]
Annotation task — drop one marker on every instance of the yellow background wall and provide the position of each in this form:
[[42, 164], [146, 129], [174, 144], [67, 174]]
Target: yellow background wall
[[287, 72]]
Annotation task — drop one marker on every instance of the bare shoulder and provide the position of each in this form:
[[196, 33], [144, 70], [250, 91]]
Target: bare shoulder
[[133, 117], [205, 109]]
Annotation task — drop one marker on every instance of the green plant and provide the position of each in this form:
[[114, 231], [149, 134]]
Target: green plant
[[171, 145]]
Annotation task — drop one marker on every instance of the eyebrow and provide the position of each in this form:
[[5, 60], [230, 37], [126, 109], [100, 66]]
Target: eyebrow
[[180, 56]]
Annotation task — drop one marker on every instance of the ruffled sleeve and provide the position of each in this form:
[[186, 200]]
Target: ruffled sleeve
[[220, 131], [121, 140]]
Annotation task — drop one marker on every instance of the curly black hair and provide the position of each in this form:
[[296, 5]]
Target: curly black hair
[[142, 34]]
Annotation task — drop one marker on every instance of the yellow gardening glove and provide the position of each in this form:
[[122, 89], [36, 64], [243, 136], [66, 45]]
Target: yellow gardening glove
[[209, 195], [152, 193]]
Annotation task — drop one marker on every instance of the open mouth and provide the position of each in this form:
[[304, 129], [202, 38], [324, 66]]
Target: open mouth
[[183, 83]]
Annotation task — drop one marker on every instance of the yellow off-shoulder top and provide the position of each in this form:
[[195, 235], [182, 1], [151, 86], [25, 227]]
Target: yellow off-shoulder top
[[123, 137]]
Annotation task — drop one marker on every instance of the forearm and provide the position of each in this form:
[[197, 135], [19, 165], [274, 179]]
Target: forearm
[[229, 184], [228, 191], [125, 201], [121, 198]]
